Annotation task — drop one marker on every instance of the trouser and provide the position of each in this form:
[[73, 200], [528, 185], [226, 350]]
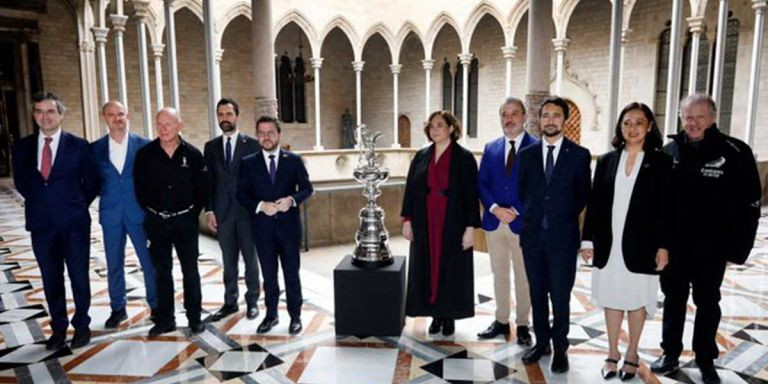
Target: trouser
[[551, 274], [702, 275], [271, 249], [503, 246], [235, 237], [53, 249], [181, 233], [114, 247]]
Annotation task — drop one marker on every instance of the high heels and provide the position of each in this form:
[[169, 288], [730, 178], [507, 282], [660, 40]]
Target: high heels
[[610, 373], [626, 376]]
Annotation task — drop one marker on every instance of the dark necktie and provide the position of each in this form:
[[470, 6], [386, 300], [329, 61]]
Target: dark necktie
[[46, 163], [550, 163], [228, 154], [272, 168], [511, 158]]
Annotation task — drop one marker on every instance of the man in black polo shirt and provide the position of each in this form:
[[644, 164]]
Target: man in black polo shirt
[[170, 178]]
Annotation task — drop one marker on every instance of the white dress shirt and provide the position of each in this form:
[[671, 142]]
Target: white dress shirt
[[54, 147], [118, 152], [266, 155], [556, 151]]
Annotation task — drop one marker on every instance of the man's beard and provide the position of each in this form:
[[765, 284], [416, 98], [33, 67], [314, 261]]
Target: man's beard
[[550, 133], [226, 126]]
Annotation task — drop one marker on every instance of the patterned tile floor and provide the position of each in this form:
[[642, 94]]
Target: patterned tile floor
[[230, 350]]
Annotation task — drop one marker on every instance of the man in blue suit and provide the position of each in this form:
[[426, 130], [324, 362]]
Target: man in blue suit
[[272, 183], [497, 187], [119, 212], [554, 186], [56, 174]]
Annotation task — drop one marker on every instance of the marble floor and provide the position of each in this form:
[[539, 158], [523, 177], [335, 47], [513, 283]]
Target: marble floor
[[230, 350]]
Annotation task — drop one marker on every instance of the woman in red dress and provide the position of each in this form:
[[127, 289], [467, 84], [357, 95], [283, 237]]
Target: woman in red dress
[[440, 211]]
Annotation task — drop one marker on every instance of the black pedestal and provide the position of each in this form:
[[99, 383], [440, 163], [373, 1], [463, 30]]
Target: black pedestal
[[369, 302]]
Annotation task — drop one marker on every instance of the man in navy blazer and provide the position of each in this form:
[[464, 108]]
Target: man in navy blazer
[[56, 174], [554, 187], [119, 212], [497, 187], [271, 185]]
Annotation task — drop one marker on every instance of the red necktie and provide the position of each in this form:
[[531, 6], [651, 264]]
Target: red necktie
[[47, 161], [511, 158]]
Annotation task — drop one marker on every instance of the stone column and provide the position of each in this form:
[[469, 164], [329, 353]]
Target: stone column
[[317, 63], [100, 36], [210, 66], [358, 67], [428, 64], [673, 72], [142, 13], [754, 72], [509, 54], [218, 56], [395, 68], [157, 54], [118, 24], [173, 69], [722, 29], [263, 58], [89, 89], [561, 45], [696, 25], [614, 68], [538, 60], [466, 60]]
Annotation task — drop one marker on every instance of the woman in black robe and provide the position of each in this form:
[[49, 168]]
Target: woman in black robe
[[440, 211]]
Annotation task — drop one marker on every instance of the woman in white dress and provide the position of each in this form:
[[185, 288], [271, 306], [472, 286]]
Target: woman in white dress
[[626, 231]]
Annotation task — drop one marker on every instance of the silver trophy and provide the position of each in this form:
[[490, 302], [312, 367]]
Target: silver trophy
[[372, 238]]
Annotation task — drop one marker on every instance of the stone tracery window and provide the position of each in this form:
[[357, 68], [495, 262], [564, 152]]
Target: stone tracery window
[[453, 84], [291, 85]]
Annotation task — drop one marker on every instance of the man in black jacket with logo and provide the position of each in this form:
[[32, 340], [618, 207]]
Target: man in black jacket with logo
[[717, 207]]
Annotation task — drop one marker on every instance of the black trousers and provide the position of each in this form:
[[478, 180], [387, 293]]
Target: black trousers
[[273, 249], [703, 275], [551, 274], [235, 237], [164, 235]]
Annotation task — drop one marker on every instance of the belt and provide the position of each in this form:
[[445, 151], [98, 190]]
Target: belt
[[167, 215], [441, 192]]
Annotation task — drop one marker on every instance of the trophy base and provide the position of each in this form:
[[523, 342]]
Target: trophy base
[[365, 264]]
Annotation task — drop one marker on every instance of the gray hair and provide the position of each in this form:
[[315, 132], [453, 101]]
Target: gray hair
[[698, 98], [511, 100], [171, 111]]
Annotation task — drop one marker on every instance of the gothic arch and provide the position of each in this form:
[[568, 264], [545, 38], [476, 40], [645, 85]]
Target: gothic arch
[[386, 34], [193, 5], [407, 28], [513, 21], [346, 27], [435, 27], [482, 9], [295, 16], [563, 16]]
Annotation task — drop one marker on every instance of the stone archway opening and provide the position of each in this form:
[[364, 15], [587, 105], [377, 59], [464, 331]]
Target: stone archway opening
[[572, 128]]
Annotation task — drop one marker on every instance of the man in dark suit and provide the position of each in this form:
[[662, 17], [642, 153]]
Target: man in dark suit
[[272, 184], [119, 212], [554, 186], [226, 217], [56, 174], [497, 186]]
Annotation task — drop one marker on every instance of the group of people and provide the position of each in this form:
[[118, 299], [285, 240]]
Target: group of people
[[154, 192], [672, 214]]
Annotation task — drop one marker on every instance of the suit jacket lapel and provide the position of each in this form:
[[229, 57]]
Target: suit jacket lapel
[[130, 153], [613, 169], [58, 156], [562, 158]]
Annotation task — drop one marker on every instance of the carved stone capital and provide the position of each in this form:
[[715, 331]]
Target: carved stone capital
[[465, 58], [118, 22], [428, 64], [561, 44], [157, 50], [509, 52], [100, 34], [358, 65], [395, 68], [317, 62]]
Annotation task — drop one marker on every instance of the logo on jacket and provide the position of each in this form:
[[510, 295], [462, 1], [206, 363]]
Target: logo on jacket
[[713, 168]]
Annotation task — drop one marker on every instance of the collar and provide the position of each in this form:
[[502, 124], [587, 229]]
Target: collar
[[517, 139], [125, 138], [557, 144], [234, 135], [56, 136]]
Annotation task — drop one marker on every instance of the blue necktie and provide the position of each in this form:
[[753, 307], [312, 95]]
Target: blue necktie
[[272, 168], [550, 163], [228, 154]]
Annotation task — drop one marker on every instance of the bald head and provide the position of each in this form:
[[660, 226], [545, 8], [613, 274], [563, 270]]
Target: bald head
[[170, 112], [116, 117], [168, 125]]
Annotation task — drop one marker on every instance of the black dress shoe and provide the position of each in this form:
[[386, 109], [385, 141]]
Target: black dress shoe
[[534, 354], [196, 328], [56, 341], [115, 318], [267, 324], [82, 338], [252, 312], [494, 330], [665, 364], [449, 327], [523, 336], [709, 374], [435, 326], [295, 327], [153, 315], [223, 312], [559, 362], [161, 328]]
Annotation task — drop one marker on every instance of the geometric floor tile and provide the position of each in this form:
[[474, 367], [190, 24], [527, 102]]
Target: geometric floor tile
[[344, 365], [131, 358], [239, 362], [29, 354], [15, 286], [22, 314], [463, 367]]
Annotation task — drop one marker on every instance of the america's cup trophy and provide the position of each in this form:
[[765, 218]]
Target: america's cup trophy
[[372, 238]]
